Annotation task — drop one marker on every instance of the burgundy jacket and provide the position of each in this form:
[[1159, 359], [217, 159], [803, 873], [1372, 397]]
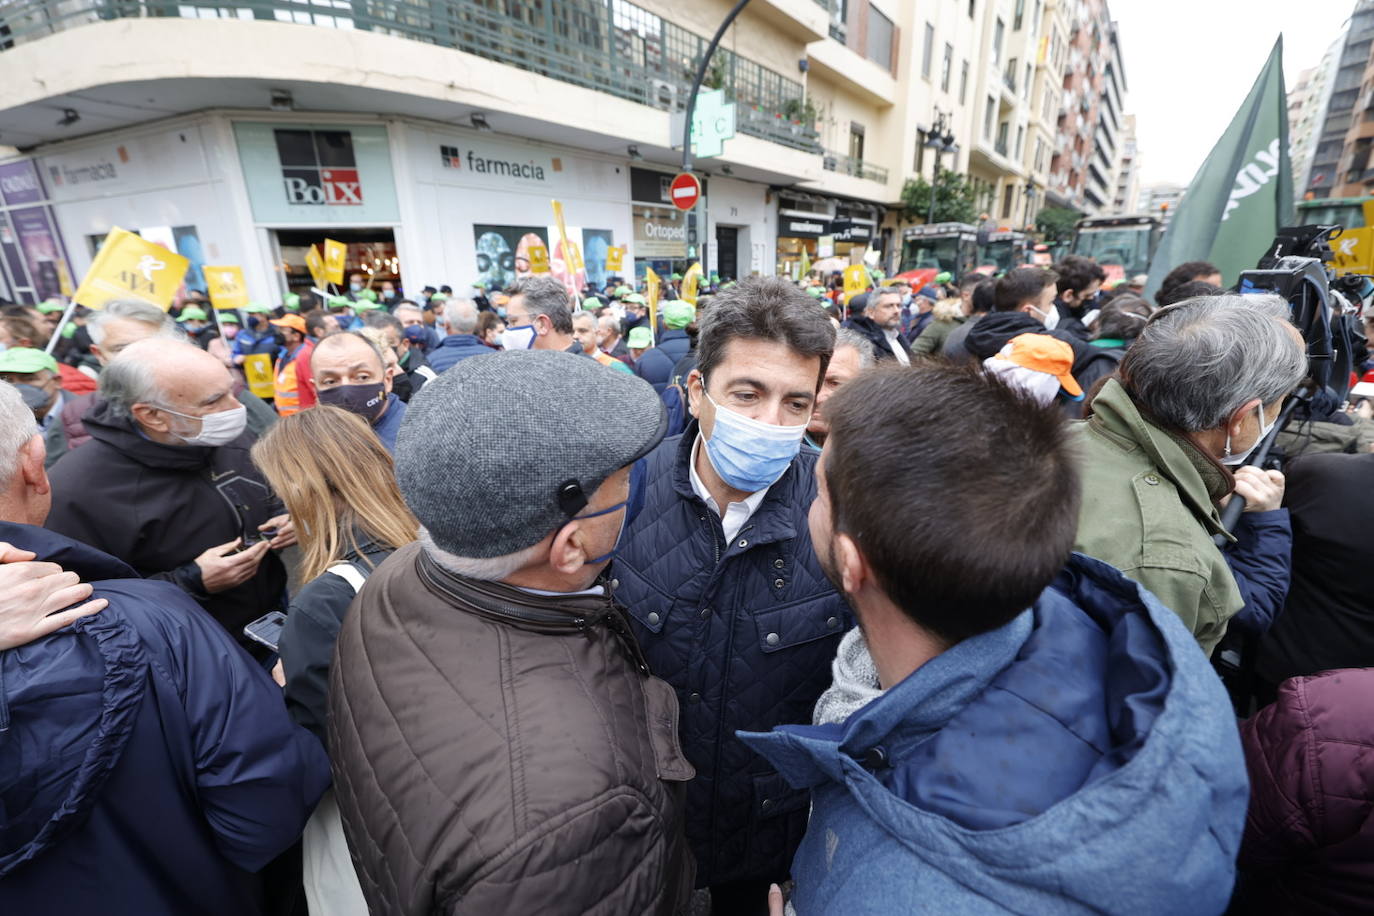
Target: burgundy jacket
[[1309, 836]]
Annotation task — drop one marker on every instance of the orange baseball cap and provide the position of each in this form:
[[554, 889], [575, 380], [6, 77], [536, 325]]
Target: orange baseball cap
[[1043, 353], [294, 322]]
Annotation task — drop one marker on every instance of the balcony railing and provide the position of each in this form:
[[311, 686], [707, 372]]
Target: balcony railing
[[856, 168], [610, 46]]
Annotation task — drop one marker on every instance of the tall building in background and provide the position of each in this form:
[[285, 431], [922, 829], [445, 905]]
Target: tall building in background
[[1161, 200], [1307, 104], [1128, 173], [1089, 120], [1325, 175]]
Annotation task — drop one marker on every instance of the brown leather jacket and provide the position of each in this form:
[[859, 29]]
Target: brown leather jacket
[[496, 751]]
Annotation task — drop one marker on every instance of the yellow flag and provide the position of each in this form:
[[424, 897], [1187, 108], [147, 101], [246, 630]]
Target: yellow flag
[[315, 262], [226, 287], [690, 281], [805, 266], [652, 282], [615, 258], [129, 267], [539, 259], [578, 263], [568, 257], [335, 254], [257, 370], [855, 280], [64, 278]]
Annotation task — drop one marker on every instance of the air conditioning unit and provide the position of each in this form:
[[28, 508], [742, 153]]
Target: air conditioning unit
[[663, 94]]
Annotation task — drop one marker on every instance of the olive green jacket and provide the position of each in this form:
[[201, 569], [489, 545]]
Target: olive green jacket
[[932, 339], [1149, 509]]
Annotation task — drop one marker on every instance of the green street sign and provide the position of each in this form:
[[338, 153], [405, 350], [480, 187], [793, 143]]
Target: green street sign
[[713, 122]]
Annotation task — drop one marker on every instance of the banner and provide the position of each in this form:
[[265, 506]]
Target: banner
[[130, 267], [64, 279], [690, 281], [539, 259], [315, 262], [615, 258], [569, 269], [257, 371], [652, 282], [335, 254], [226, 287], [1242, 194], [855, 281], [805, 267]]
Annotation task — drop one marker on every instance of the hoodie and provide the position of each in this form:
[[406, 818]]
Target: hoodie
[[158, 507], [1081, 759], [147, 765]]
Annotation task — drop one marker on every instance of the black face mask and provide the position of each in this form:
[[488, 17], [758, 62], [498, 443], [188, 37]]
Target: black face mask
[[367, 401], [401, 387]]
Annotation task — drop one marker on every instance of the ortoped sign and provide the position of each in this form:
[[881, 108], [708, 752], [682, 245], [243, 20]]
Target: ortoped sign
[[684, 191], [660, 233]]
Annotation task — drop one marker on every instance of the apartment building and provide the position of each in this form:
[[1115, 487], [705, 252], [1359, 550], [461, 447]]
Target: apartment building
[[1326, 174]]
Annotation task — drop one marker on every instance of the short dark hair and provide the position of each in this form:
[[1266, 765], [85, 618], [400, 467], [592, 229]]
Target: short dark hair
[[381, 319], [546, 296], [958, 560], [1021, 285], [320, 320], [1124, 317], [1190, 290], [984, 297], [486, 320], [1077, 273], [971, 280], [1187, 272], [765, 308]]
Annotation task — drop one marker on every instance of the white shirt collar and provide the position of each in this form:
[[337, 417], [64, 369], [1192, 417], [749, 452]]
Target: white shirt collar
[[736, 514]]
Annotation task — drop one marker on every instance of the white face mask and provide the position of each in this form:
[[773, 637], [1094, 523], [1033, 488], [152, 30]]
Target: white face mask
[[1051, 318], [215, 428], [518, 338], [1232, 461]]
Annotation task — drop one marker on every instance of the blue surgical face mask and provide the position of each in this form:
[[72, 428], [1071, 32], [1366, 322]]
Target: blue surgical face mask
[[747, 454], [615, 548], [355, 287]]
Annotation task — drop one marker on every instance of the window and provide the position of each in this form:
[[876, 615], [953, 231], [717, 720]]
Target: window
[[856, 141], [927, 51], [1020, 12], [1008, 193], [1039, 155], [946, 68], [989, 114], [970, 8], [919, 163], [880, 31], [998, 33], [1035, 20], [963, 84], [1026, 87], [1020, 142], [1001, 144]]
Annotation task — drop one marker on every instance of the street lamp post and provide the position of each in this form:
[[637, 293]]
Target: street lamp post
[[941, 140]]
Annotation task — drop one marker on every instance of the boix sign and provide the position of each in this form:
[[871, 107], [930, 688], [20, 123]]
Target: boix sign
[[318, 167]]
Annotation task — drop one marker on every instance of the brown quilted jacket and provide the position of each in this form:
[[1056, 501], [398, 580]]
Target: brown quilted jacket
[[500, 752]]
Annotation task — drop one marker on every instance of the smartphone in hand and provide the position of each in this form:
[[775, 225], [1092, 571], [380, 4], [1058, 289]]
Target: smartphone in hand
[[266, 630]]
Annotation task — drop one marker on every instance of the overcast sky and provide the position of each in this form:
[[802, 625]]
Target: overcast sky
[[1190, 63]]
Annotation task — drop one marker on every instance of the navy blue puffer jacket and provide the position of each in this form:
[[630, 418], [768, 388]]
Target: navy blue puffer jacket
[[745, 633], [147, 764], [655, 365]]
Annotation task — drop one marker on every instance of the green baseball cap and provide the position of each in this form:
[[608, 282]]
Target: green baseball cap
[[340, 302], [258, 308], [675, 276], [291, 302], [678, 314], [622, 291], [816, 291], [438, 297], [943, 276], [591, 303], [639, 339], [369, 294], [68, 331], [27, 360], [228, 318], [364, 305], [636, 299], [51, 305], [193, 313], [480, 284]]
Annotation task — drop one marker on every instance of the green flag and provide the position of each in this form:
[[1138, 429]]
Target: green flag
[[1242, 194]]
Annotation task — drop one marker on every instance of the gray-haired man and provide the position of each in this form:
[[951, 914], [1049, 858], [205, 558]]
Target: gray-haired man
[[853, 354], [538, 317], [499, 745], [1197, 392]]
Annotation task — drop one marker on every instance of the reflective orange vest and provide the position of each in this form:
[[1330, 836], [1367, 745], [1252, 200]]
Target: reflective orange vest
[[285, 393]]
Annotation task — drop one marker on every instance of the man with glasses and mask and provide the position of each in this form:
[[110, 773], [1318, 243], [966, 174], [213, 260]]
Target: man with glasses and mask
[[718, 574], [538, 317], [166, 483], [1162, 452], [540, 770]]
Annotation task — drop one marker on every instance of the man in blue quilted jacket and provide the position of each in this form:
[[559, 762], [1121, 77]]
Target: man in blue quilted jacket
[[727, 598]]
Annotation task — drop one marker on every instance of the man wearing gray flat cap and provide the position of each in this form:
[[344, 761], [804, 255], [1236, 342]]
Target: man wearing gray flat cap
[[498, 743]]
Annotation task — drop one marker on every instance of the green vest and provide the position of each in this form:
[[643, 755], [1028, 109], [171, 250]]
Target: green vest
[[1149, 509]]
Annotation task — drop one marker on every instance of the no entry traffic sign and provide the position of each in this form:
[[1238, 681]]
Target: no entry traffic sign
[[685, 191]]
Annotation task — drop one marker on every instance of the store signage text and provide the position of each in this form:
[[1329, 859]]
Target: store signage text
[[19, 183], [666, 231], [99, 171], [530, 170], [308, 179]]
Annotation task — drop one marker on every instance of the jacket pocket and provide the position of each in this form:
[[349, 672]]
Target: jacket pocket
[[661, 713], [799, 623], [640, 598], [773, 797]]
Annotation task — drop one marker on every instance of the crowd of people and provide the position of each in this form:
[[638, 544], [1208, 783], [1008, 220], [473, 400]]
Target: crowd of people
[[768, 599]]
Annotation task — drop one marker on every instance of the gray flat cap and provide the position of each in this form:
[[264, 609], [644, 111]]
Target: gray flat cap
[[503, 448]]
